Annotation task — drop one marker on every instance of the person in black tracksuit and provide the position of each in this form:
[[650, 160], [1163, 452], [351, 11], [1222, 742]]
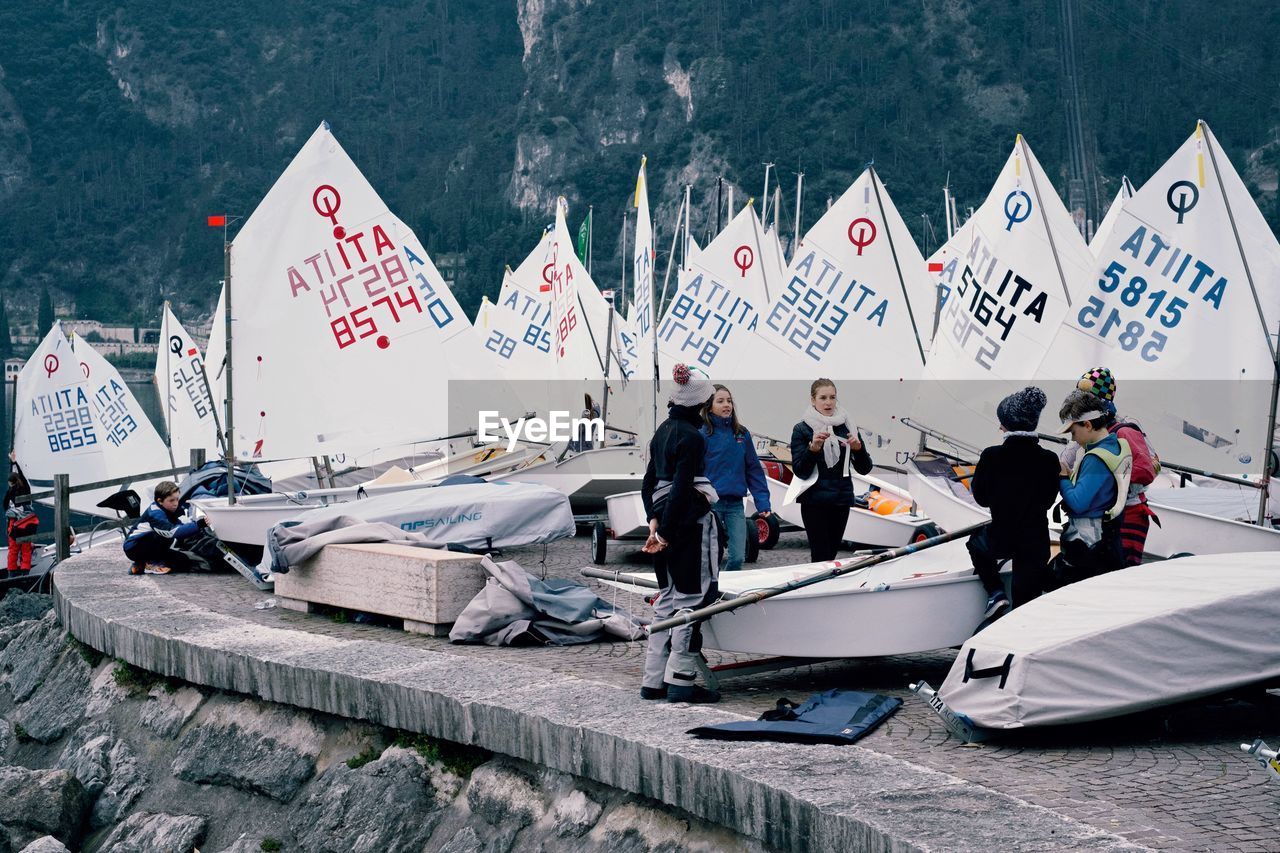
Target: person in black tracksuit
[[1018, 481], [684, 539], [824, 442]]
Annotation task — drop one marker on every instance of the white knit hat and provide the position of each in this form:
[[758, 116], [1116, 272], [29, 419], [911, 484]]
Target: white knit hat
[[691, 389]]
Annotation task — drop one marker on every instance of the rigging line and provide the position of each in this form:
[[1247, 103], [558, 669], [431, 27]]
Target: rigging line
[[875, 184], [1053, 247], [1257, 302], [594, 346]]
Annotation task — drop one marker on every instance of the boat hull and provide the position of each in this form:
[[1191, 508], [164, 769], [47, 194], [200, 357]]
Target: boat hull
[[588, 478]]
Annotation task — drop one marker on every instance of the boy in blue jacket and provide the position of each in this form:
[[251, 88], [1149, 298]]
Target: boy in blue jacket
[[150, 544], [1094, 490]]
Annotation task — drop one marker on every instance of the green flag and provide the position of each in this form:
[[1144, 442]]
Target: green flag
[[583, 231]]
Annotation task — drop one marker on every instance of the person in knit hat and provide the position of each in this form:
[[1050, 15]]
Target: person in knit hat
[[683, 537], [1135, 523], [1093, 489], [1018, 481]]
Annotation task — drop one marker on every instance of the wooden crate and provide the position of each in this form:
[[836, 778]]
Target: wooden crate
[[425, 587]]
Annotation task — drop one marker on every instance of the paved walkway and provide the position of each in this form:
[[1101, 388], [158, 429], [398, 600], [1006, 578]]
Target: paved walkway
[[1171, 780]]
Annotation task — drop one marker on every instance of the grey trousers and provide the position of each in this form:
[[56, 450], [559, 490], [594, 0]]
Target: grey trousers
[[672, 657]]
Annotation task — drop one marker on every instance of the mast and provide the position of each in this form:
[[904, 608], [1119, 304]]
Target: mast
[[795, 240], [946, 207], [719, 190], [875, 184], [684, 251], [168, 381], [1053, 247], [764, 214], [666, 279], [591, 226], [230, 436], [777, 204], [625, 257], [731, 201]]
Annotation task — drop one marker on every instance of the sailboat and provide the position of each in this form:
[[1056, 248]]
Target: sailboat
[[186, 403], [75, 415], [345, 341], [1108, 223], [1183, 306]]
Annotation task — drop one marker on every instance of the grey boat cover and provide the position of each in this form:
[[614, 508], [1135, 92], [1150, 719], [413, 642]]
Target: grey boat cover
[[472, 513], [1123, 642], [517, 609], [293, 542]]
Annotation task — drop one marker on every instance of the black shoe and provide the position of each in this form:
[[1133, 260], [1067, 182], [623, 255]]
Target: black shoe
[[653, 692], [996, 602], [694, 693]]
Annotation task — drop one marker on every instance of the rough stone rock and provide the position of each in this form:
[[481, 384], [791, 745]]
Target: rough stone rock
[[6, 735], [504, 797], [144, 832], [50, 802], [104, 693], [166, 713], [347, 811], [45, 844], [464, 841], [128, 782], [574, 814], [24, 606], [635, 828], [253, 747], [87, 756], [60, 701], [30, 656], [245, 844]]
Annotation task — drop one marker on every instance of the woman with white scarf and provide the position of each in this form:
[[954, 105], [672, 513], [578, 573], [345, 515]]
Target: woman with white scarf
[[823, 448]]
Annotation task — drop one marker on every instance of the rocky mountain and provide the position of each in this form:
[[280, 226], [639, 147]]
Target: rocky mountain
[[123, 125]]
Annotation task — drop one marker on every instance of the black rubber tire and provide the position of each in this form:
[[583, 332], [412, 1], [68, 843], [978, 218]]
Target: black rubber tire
[[925, 531], [599, 543], [753, 545], [767, 531]]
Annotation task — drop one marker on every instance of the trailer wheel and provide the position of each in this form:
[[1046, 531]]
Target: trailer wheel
[[753, 546], [767, 530], [925, 531], [599, 543]]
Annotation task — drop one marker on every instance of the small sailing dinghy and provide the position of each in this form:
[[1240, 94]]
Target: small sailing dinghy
[[1123, 642], [927, 600]]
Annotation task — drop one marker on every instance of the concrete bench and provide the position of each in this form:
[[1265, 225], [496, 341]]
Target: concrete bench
[[425, 587]]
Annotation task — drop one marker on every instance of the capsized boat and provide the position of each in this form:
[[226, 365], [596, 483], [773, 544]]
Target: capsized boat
[[928, 600], [466, 511], [1123, 642]]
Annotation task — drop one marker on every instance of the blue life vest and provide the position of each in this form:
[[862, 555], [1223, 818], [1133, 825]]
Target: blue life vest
[[837, 716]]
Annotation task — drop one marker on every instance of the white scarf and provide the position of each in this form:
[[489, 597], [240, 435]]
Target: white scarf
[[822, 423]]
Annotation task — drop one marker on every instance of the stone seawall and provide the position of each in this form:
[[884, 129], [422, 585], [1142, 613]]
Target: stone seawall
[[96, 754]]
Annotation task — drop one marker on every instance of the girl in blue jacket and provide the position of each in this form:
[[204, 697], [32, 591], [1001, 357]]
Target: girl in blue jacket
[[734, 469]]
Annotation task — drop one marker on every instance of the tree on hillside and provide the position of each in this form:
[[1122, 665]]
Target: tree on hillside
[[44, 315]]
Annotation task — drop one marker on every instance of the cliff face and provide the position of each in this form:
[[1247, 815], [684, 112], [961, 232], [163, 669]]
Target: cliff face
[[122, 127]]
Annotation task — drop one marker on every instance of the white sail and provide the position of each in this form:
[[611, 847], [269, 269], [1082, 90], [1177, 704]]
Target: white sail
[[642, 255], [1187, 290], [850, 309], [75, 416], [721, 291], [516, 332], [185, 400], [1108, 223], [342, 325], [1007, 278]]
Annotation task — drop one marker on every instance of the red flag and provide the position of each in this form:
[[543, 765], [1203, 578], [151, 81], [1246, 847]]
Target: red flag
[[217, 221], [935, 267]]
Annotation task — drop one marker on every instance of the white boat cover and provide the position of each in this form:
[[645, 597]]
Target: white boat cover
[[476, 515], [1235, 504], [1123, 642]]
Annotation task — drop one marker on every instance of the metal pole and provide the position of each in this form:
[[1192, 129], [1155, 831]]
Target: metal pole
[[591, 227], [167, 399], [730, 211], [213, 409], [684, 247], [62, 515], [197, 458], [229, 438], [625, 257], [608, 358], [328, 471], [795, 240], [719, 200], [1270, 437], [764, 214]]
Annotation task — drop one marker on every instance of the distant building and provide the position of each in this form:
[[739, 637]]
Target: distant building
[[12, 367], [88, 329]]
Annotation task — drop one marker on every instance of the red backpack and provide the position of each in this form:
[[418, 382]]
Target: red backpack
[[1146, 462]]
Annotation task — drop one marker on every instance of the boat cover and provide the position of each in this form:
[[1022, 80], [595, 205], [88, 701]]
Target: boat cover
[[1122, 642], [837, 716], [517, 609], [463, 511], [1233, 504]]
